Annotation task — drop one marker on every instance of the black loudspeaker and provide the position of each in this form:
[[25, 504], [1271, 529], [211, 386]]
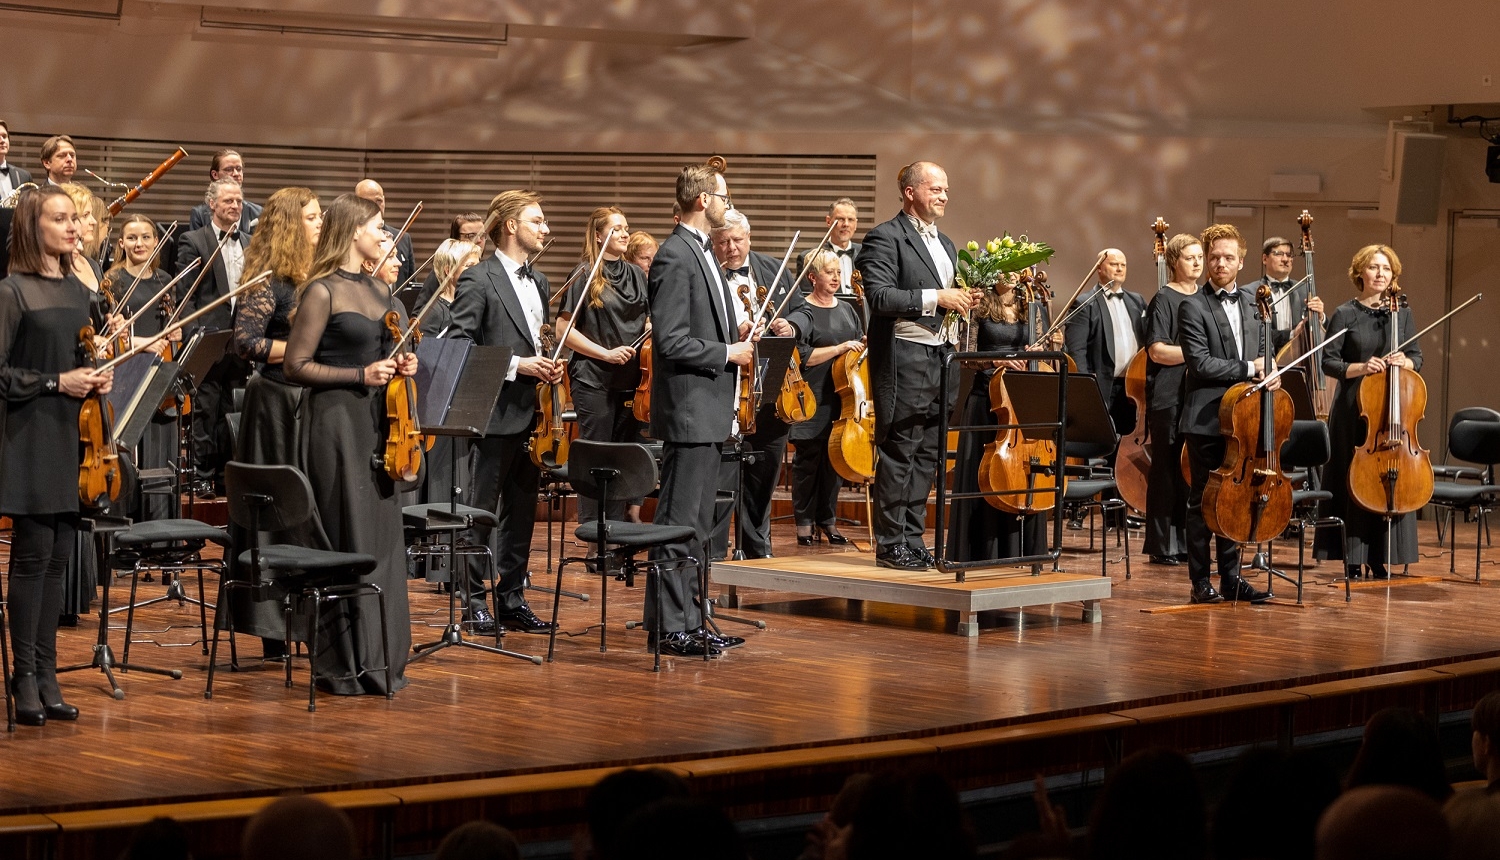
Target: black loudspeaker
[[1411, 195], [1492, 163]]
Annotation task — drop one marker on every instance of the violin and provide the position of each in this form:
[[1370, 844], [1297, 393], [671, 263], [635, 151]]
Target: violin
[[796, 402], [1248, 499], [1133, 456], [1391, 473], [404, 441], [1312, 332], [640, 404], [851, 443], [1013, 462], [99, 476], [549, 441], [747, 402]]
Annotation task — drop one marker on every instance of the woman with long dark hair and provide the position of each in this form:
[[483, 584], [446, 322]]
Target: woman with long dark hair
[[337, 348], [43, 306]]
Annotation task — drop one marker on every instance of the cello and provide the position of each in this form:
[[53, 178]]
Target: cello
[[851, 442], [1133, 457], [1312, 331], [1248, 499], [1391, 473], [1013, 462]]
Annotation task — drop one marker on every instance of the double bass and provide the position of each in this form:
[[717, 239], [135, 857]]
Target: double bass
[[1133, 457], [1013, 462], [1391, 473], [1311, 335], [851, 442], [1248, 499]]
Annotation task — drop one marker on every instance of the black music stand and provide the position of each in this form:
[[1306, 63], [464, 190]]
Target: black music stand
[[460, 382], [199, 354]]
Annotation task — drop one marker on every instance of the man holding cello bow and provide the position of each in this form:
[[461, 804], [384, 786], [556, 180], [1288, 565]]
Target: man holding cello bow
[[1221, 346]]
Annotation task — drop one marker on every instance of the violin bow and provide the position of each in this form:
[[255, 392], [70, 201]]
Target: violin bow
[[562, 336], [1440, 320], [171, 327], [156, 298], [1301, 358], [432, 300], [806, 265], [396, 240]]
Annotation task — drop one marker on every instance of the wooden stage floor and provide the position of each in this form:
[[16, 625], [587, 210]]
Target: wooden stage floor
[[824, 670]]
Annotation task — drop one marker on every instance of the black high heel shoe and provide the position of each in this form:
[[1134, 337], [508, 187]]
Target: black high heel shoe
[[832, 535], [29, 710], [807, 540], [52, 701]]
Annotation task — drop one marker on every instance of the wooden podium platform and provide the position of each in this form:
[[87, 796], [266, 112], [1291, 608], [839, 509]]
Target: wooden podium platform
[[855, 576]]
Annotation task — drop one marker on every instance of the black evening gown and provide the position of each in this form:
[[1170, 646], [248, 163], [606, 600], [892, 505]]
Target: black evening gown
[[338, 330], [269, 434], [976, 529], [1366, 537]]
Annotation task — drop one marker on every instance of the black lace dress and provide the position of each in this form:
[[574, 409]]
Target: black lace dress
[[339, 329]]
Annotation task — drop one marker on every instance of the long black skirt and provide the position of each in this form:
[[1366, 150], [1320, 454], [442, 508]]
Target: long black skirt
[[976, 529], [360, 510]]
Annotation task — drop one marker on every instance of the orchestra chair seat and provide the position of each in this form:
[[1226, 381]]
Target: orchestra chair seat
[[434, 530], [169, 547], [1092, 487], [1307, 447], [612, 472], [1473, 437], [274, 499]]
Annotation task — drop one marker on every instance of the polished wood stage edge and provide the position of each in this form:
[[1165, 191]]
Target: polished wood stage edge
[[825, 670]]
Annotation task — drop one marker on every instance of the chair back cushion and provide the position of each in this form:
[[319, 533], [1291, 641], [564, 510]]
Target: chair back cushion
[[1306, 446], [636, 469], [1476, 441], [288, 489]]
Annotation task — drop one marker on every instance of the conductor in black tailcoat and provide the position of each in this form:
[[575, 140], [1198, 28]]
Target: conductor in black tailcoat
[[1221, 346], [214, 398], [907, 267], [500, 301], [697, 347]]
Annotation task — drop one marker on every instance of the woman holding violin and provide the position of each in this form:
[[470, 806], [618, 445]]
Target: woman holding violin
[[43, 308], [1166, 489], [337, 347], [270, 419], [977, 529], [605, 337], [1365, 351], [827, 329]]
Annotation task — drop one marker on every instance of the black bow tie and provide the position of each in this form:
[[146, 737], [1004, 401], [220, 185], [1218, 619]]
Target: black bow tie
[[1229, 296], [843, 252], [742, 271], [525, 272], [1119, 295], [1280, 286], [707, 243], [233, 235]]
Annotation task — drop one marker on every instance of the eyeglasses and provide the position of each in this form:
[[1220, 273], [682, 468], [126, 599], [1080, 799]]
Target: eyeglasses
[[1287, 254], [728, 201], [537, 224]]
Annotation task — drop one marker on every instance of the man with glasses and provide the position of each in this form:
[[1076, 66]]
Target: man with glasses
[[227, 164], [468, 227], [501, 301], [1276, 258], [698, 345]]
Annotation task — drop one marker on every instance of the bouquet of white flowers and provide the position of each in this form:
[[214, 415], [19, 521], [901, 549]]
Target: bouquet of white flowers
[[982, 268]]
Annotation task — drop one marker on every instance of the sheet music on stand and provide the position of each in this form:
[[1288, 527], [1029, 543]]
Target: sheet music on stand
[[459, 383]]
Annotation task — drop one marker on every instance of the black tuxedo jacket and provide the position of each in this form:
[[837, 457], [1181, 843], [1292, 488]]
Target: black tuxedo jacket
[[895, 268], [692, 381], [1090, 337], [487, 311], [18, 175], [1208, 352], [200, 244]]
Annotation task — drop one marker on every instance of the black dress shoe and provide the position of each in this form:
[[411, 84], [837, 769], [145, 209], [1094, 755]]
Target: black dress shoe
[[1203, 592], [832, 535], [1168, 560], [1239, 588], [522, 619], [900, 558], [719, 640], [924, 554], [480, 622], [683, 644]]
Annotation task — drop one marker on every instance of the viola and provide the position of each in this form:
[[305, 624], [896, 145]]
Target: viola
[[851, 442], [1013, 462], [1311, 333], [1391, 473], [796, 402], [1248, 499], [99, 476], [746, 402], [404, 442], [640, 405], [181, 402], [549, 440], [1133, 456]]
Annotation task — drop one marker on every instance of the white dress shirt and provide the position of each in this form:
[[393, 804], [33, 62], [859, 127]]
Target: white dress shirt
[[908, 330], [531, 304], [1123, 328]]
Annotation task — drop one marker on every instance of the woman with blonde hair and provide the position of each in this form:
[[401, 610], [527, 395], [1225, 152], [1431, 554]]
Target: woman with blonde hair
[[1364, 351]]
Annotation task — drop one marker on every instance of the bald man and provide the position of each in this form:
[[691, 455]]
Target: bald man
[[370, 190], [1106, 335]]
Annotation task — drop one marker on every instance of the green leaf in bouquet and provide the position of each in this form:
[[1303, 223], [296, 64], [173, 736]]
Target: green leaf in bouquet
[[1025, 260]]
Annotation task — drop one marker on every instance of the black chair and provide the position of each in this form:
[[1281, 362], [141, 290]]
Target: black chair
[[278, 498], [613, 472], [1306, 448], [1447, 471], [1473, 437], [169, 547], [1092, 487]]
